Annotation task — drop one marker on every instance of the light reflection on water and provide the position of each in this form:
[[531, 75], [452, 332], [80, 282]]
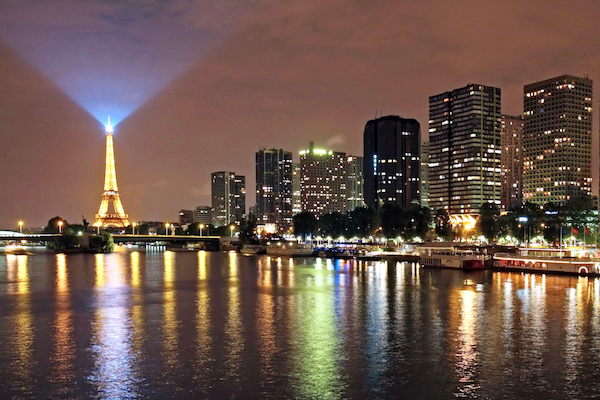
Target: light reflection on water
[[221, 325]]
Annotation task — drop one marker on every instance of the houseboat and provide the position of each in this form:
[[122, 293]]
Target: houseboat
[[565, 261], [451, 257]]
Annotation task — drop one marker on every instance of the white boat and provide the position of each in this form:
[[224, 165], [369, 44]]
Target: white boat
[[252, 249], [566, 261], [290, 250], [451, 257]]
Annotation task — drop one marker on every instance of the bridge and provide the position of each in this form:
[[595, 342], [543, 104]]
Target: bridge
[[213, 241]]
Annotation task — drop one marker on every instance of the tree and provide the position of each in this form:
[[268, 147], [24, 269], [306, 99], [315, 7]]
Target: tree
[[305, 224], [54, 226], [487, 223], [394, 220], [443, 228], [362, 221], [333, 224], [248, 229]]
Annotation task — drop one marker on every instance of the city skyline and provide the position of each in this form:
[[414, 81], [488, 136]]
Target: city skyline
[[272, 81]]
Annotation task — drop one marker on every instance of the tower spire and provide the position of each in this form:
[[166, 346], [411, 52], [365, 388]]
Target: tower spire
[[118, 218]]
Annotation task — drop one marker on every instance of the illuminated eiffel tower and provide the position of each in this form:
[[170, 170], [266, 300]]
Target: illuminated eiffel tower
[[111, 192]]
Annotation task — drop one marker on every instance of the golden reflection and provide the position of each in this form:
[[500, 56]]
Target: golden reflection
[[202, 270], [137, 303], [136, 277], [233, 324], [170, 311], [467, 353], [21, 322], [265, 320], [99, 258], [203, 322], [63, 352]]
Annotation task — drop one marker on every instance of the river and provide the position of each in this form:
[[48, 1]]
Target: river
[[219, 325]]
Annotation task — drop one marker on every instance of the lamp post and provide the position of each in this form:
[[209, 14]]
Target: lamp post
[[133, 228], [201, 227], [20, 226], [60, 224], [167, 229], [232, 227]]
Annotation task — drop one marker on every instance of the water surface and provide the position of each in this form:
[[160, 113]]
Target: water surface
[[222, 325]]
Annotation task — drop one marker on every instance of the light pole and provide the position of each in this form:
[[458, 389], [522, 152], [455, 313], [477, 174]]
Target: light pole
[[133, 228], [60, 224], [20, 226], [201, 227], [167, 229], [232, 227]]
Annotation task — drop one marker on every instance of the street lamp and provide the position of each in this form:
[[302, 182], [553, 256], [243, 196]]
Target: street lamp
[[133, 228], [166, 229], [20, 226], [201, 227], [232, 227], [60, 224]]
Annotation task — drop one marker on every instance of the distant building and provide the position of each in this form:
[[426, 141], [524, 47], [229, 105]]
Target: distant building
[[274, 188], [425, 174], [228, 198], [354, 182], [186, 217], [323, 181], [511, 141], [464, 151], [557, 140], [203, 215], [391, 161]]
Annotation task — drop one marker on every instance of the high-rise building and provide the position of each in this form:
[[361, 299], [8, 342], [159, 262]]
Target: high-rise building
[[354, 182], [186, 217], [511, 141], [464, 151], [296, 189], [274, 188], [425, 174], [228, 198], [557, 140], [323, 181], [391, 161]]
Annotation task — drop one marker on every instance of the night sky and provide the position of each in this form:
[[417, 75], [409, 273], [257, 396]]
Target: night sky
[[200, 86]]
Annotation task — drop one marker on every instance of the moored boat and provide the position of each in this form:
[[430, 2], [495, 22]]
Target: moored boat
[[252, 249], [564, 261], [290, 250], [451, 257]]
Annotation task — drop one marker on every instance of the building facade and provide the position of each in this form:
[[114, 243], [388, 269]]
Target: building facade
[[203, 215], [354, 182], [557, 140], [511, 140], [274, 188], [392, 161], [228, 198], [464, 151], [186, 217], [323, 181]]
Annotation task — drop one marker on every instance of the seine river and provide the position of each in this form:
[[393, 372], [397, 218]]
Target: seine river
[[222, 325]]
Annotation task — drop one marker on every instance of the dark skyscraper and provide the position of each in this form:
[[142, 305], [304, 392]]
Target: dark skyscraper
[[464, 151], [274, 188], [391, 161], [557, 140]]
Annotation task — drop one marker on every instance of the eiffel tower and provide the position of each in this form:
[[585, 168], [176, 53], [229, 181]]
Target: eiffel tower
[[111, 192]]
